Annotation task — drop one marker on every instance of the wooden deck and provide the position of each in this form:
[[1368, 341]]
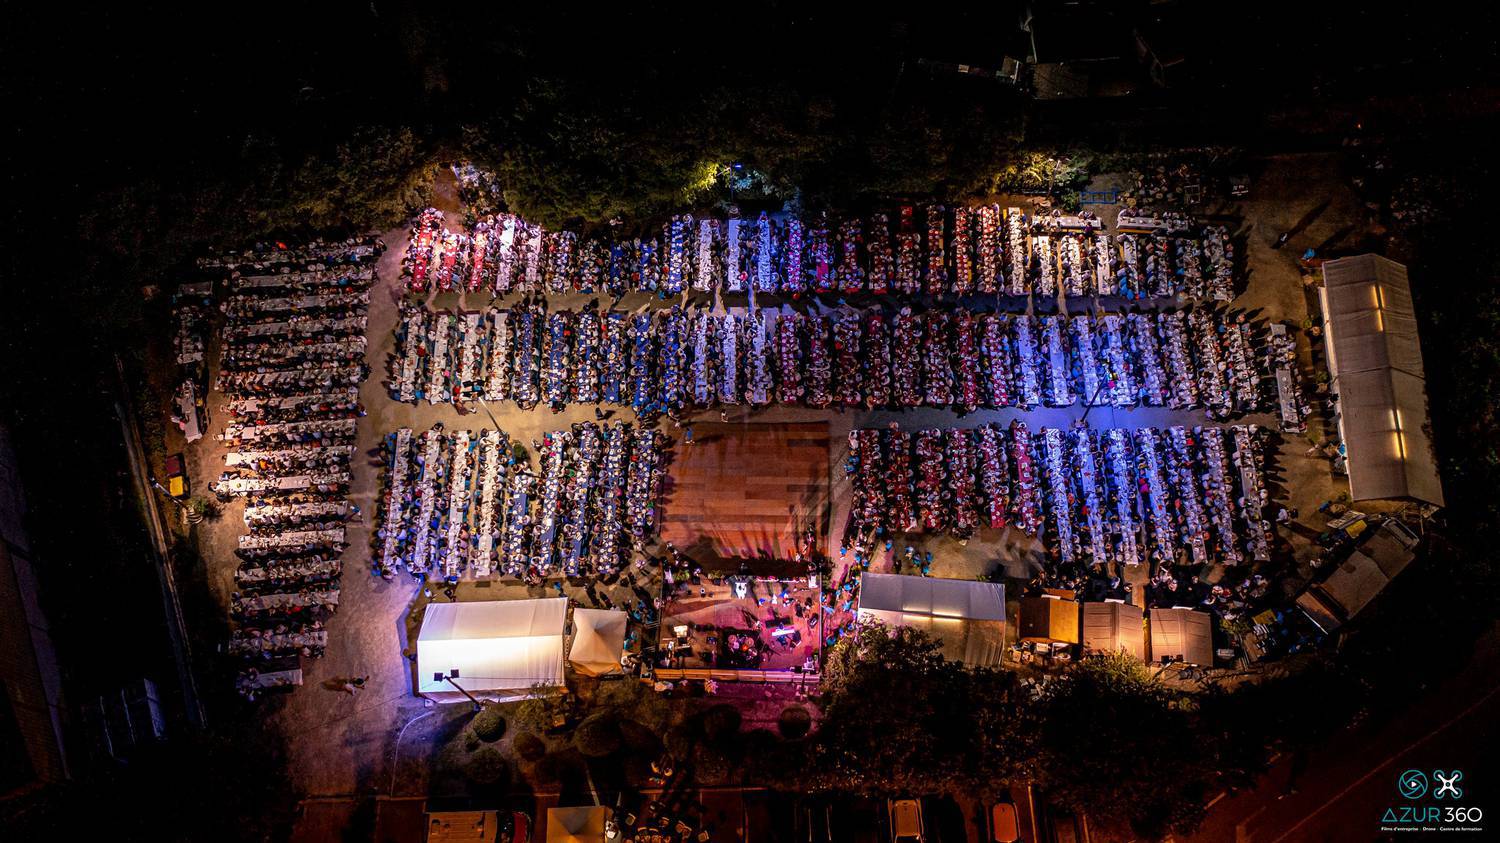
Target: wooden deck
[[745, 491]]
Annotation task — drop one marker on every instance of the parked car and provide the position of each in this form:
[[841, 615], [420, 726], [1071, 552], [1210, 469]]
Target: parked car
[[177, 482], [1004, 828], [515, 827], [906, 821], [1065, 827]]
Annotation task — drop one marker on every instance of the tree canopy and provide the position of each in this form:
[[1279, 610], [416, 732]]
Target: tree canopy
[[1105, 737], [898, 718], [1117, 744]]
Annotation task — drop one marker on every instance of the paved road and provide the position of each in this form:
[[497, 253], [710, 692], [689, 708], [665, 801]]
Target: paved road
[[1350, 781], [161, 553]]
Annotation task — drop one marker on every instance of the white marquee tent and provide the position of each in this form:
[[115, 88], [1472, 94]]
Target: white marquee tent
[[598, 641], [967, 616], [496, 646], [1375, 361]]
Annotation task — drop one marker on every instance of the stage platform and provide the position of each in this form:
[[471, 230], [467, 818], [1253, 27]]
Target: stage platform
[[746, 492], [774, 626]]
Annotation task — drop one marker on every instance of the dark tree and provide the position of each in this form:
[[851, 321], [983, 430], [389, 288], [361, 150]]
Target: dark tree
[[899, 718], [1119, 745]]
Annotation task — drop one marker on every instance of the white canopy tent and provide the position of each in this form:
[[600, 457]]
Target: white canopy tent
[[1375, 362], [967, 616], [598, 641], [496, 646]]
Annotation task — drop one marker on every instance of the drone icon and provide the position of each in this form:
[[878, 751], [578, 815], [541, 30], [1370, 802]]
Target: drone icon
[[1448, 785]]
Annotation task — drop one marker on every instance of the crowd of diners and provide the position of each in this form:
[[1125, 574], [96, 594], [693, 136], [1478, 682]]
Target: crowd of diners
[[679, 359], [1109, 497], [934, 250], [1180, 500], [960, 307], [292, 351], [579, 503]]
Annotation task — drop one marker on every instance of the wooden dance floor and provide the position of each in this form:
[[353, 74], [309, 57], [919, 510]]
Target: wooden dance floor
[[746, 491]]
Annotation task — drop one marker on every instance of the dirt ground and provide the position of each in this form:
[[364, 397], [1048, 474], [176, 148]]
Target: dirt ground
[[342, 745]]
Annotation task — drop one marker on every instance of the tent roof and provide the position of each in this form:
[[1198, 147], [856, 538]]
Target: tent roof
[[584, 824], [966, 616], [494, 644], [1375, 360], [598, 641], [1049, 619], [1354, 584], [494, 619], [1392, 546], [1183, 634], [1114, 627], [966, 599], [1320, 610], [1351, 587]]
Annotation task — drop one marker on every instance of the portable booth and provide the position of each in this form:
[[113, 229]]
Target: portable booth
[[584, 824], [1051, 619], [1113, 627], [1182, 635]]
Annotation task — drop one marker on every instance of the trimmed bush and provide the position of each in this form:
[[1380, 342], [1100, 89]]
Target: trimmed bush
[[637, 770], [795, 722], [549, 768], [488, 767], [489, 724], [530, 747], [721, 723], [680, 740], [598, 735], [639, 739], [711, 767]]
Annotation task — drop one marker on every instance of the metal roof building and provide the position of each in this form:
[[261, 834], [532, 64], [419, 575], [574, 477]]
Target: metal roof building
[[1375, 362]]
